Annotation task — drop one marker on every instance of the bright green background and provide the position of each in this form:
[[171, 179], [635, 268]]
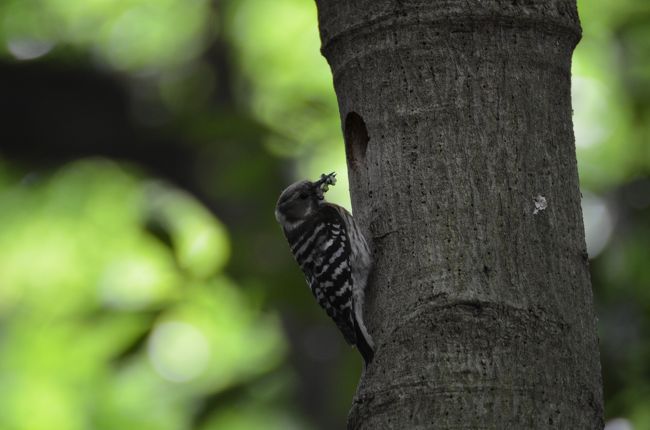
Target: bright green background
[[128, 303]]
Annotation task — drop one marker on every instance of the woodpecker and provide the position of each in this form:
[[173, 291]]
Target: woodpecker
[[329, 247]]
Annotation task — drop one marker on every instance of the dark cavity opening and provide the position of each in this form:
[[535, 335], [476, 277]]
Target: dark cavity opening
[[356, 139]]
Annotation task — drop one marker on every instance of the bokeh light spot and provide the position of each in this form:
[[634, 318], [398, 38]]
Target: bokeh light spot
[[178, 351], [619, 424], [29, 49], [599, 223], [591, 112]]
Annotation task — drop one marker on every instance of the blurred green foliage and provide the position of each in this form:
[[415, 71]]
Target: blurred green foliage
[[126, 35], [611, 79], [100, 318], [611, 98], [126, 303], [289, 90]]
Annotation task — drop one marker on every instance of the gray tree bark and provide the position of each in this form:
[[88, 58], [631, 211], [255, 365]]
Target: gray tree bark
[[460, 149]]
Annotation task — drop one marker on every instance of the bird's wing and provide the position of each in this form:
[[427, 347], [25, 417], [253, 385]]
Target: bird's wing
[[324, 257]]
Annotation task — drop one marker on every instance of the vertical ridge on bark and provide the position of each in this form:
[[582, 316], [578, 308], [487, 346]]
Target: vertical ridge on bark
[[481, 303]]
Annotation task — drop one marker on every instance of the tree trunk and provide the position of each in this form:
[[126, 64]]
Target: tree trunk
[[460, 148]]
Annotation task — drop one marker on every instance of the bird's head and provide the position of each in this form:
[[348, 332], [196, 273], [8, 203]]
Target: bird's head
[[301, 200]]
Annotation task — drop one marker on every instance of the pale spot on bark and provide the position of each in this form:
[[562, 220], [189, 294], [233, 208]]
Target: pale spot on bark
[[540, 204]]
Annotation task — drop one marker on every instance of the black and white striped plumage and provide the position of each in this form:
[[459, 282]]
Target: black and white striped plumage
[[332, 253]]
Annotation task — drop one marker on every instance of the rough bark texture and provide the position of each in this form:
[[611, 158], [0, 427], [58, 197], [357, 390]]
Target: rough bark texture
[[457, 120]]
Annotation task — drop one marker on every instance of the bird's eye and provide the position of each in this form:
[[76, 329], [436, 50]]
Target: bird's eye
[[303, 196]]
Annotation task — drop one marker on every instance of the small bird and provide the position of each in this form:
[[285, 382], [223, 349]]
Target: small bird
[[330, 249]]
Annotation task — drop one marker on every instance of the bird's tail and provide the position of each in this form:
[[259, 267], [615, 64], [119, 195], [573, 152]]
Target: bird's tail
[[363, 345]]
